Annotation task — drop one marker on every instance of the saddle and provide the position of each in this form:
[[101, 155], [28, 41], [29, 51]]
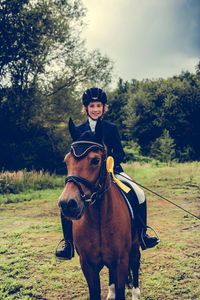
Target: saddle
[[131, 203]]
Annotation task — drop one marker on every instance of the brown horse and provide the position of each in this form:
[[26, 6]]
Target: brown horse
[[101, 220]]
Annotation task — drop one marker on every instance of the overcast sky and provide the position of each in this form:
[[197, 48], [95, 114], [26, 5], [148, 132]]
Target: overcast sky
[[145, 38]]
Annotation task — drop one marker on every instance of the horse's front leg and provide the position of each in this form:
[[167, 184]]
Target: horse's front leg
[[91, 273], [118, 273], [120, 286], [111, 287], [135, 265]]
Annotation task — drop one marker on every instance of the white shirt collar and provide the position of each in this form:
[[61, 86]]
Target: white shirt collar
[[92, 124]]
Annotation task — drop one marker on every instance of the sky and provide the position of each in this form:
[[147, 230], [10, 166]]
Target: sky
[[145, 38]]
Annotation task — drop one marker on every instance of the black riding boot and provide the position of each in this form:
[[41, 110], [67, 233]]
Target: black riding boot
[[140, 212], [67, 250], [145, 240]]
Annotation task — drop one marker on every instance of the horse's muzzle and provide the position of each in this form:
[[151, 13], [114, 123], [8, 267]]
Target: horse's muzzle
[[71, 209]]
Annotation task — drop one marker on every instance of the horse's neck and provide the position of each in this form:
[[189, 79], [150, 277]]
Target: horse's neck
[[108, 202]]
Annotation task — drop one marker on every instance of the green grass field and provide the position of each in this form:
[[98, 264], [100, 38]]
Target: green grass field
[[30, 229]]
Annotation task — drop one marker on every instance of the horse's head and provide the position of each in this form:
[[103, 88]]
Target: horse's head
[[86, 171]]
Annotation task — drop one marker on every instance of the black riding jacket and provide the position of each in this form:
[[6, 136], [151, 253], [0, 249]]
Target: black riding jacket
[[111, 140]]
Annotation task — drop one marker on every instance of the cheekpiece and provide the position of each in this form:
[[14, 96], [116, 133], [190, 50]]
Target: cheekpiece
[[81, 148]]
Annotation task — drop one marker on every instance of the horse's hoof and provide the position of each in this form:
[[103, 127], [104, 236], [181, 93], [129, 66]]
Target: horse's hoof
[[111, 292], [135, 293]]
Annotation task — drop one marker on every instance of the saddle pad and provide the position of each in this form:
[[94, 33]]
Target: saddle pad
[[128, 203], [126, 200], [129, 207]]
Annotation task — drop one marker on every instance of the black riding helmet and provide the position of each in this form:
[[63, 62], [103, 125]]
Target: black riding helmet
[[92, 95]]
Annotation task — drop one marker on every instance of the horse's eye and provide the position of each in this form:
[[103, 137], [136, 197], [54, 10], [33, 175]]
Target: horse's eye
[[95, 161]]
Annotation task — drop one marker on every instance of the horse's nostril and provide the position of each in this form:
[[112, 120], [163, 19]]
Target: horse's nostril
[[63, 205], [70, 208], [72, 204]]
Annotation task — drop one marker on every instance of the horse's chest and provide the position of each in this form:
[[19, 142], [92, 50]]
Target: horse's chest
[[102, 242]]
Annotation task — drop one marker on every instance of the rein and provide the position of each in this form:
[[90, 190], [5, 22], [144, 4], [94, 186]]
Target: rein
[[162, 197], [79, 150]]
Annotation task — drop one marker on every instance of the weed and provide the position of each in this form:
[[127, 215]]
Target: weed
[[21, 181]]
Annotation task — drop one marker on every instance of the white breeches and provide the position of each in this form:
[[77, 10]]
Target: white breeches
[[139, 192]]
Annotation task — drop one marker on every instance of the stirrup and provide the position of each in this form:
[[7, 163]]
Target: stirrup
[[59, 243], [154, 232], [142, 235], [67, 244]]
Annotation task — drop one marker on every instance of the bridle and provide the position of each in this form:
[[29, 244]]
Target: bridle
[[79, 150]]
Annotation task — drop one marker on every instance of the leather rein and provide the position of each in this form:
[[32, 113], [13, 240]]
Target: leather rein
[[97, 188]]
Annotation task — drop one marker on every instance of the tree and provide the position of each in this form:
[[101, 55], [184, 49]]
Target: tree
[[143, 113], [40, 42], [163, 148], [117, 100], [33, 35], [172, 104], [43, 65]]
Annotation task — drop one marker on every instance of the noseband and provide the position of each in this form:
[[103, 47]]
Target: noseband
[[79, 150]]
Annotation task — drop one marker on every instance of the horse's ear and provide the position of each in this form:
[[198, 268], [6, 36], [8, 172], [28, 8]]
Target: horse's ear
[[73, 131], [99, 130]]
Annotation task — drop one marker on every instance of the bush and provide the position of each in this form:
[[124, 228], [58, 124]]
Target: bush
[[163, 148], [132, 154], [20, 181]]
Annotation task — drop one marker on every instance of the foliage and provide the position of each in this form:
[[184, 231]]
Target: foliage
[[43, 62], [173, 105], [44, 68], [117, 100], [133, 154], [163, 147], [21, 181]]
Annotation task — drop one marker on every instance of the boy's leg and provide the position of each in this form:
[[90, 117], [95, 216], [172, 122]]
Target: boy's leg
[[139, 206], [67, 250]]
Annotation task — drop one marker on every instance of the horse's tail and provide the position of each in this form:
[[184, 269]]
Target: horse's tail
[[134, 265]]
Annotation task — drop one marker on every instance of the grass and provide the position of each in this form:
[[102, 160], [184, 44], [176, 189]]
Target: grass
[[31, 229], [21, 181], [30, 195]]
